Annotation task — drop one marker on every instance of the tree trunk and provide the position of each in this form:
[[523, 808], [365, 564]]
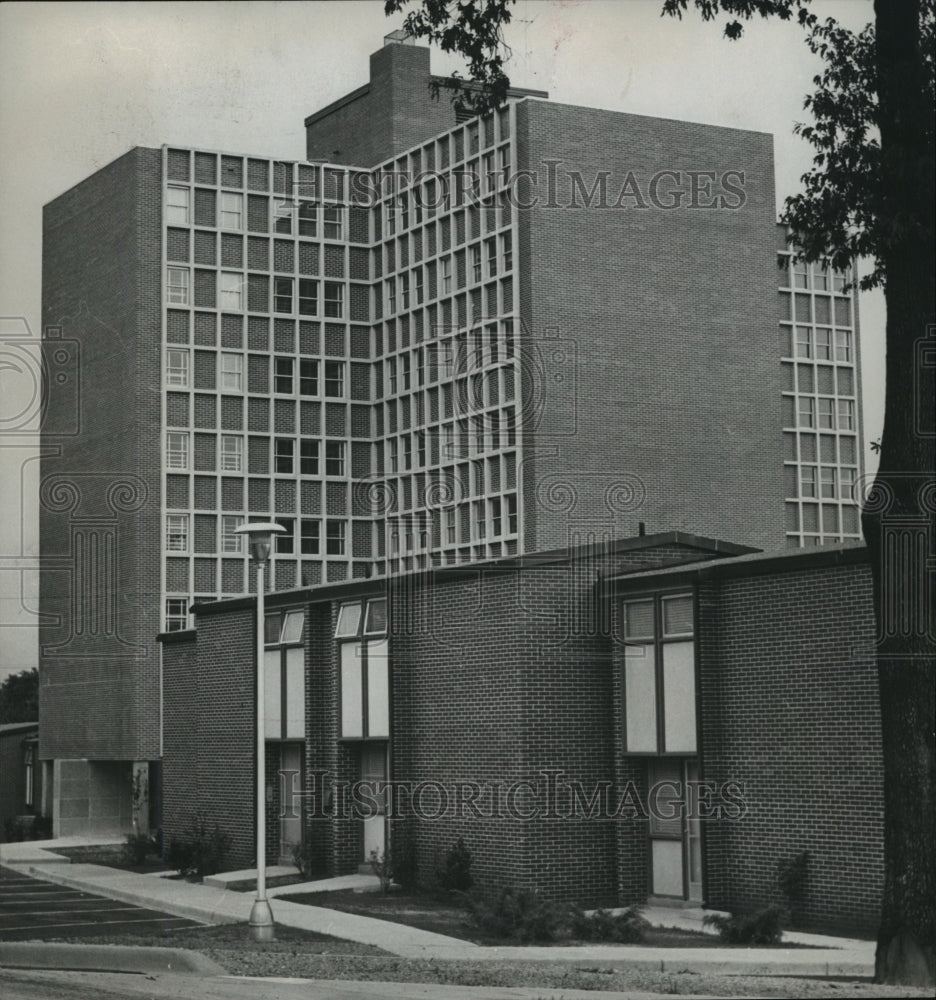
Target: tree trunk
[[898, 514]]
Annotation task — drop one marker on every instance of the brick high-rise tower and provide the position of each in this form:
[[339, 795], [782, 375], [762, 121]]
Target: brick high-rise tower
[[434, 341]]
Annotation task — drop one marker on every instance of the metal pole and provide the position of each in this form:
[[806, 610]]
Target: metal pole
[[261, 916]]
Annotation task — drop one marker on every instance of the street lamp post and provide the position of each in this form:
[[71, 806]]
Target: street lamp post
[[260, 539]]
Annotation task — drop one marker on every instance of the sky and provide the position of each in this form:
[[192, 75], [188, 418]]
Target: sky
[[81, 83]]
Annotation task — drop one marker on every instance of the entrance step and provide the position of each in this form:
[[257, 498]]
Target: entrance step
[[245, 880]]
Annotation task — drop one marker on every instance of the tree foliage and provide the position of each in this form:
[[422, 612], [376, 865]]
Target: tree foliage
[[475, 30], [19, 697]]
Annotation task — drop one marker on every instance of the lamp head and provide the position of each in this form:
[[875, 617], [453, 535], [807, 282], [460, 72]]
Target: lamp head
[[260, 538]]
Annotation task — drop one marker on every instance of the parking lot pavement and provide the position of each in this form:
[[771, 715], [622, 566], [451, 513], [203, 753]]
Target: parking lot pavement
[[31, 909]]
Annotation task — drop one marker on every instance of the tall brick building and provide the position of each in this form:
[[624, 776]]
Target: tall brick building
[[431, 343]]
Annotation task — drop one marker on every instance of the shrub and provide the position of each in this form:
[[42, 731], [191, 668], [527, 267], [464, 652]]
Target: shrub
[[764, 926], [27, 827], [403, 857], [305, 857], [518, 914], [201, 852], [791, 877], [455, 874], [137, 848], [603, 925], [382, 865]]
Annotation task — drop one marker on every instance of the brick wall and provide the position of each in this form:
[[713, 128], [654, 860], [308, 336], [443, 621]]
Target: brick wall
[[99, 499], [790, 708], [209, 763], [649, 333], [396, 111]]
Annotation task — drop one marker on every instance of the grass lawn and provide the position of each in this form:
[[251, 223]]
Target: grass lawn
[[112, 856], [444, 916], [304, 954]]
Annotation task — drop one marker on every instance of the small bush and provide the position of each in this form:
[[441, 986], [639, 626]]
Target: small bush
[[455, 874], [382, 865], [201, 852], [305, 857], [27, 827], [137, 848], [761, 927], [518, 914], [791, 877], [403, 856], [603, 925]]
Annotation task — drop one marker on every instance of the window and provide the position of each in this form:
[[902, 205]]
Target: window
[[232, 372], [449, 523], [491, 247], [285, 540], [480, 519], [511, 500], [808, 481], [801, 274], [308, 297], [334, 299], [335, 538], [177, 286], [405, 372], [283, 375], [176, 614], [390, 286], [232, 453], [231, 287], [177, 532], [231, 542], [332, 222], [407, 451], [847, 483], [827, 483], [29, 778], [404, 291], [507, 251], [391, 376], [820, 277], [177, 450], [308, 377], [476, 262], [823, 343], [365, 687], [843, 346], [283, 456], [846, 415], [418, 287], [803, 342], [283, 295], [334, 378], [307, 218], [232, 210], [334, 458], [284, 675], [394, 451], [391, 217], [659, 674], [177, 368], [282, 216], [177, 206], [308, 458], [445, 276], [826, 413], [309, 539], [497, 522], [403, 206], [807, 411]]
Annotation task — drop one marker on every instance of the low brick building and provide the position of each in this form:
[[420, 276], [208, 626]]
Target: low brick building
[[665, 716]]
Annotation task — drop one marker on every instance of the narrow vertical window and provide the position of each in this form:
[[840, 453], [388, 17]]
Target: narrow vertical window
[[177, 368], [232, 210], [177, 450], [177, 206], [177, 286]]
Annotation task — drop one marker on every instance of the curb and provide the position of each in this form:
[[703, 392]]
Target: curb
[[106, 958], [200, 913]]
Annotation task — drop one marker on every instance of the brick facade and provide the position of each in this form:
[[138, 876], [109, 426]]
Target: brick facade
[[511, 672]]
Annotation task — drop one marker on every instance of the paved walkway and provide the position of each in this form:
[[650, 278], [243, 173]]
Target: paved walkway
[[826, 957]]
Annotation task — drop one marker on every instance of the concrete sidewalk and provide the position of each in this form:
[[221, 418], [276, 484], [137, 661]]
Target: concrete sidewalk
[[825, 957]]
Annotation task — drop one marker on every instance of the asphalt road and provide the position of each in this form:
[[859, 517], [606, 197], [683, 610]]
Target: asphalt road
[[19, 985], [32, 910]]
